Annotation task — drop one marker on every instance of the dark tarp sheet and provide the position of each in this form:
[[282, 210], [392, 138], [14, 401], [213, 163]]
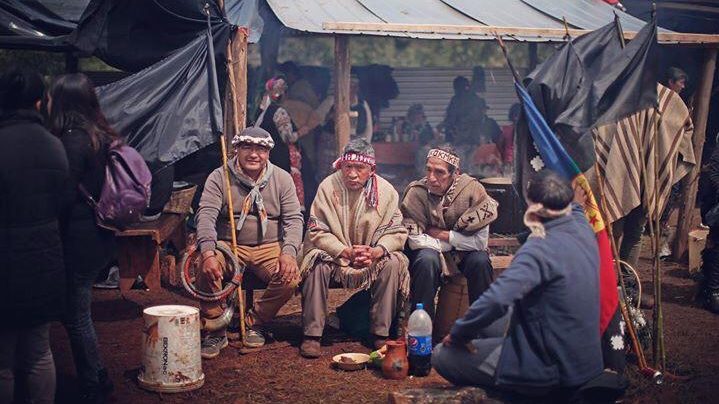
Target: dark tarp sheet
[[166, 111], [591, 81], [47, 24], [133, 34], [32, 24]]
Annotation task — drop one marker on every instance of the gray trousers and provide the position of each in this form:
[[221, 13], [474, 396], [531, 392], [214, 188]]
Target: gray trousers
[[629, 231], [464, 368], [383, 292], [25, 355]]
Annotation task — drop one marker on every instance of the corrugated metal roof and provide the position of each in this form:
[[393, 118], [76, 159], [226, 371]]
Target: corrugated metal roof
[[586, 14], [512, 13], [410, 12], [310, 15]]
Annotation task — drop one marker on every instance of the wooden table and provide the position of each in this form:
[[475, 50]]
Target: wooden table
[[139, 248]]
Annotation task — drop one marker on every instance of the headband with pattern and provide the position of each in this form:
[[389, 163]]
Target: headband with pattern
[[262, 141], [448, 158], [354, 157]]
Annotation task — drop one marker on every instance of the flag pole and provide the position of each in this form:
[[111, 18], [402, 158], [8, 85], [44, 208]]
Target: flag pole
[[643, 368]]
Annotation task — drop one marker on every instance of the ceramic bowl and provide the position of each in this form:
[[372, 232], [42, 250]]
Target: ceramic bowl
[[359, 361]]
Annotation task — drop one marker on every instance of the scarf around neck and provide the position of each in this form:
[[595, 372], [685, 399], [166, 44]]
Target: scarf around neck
[[254, 197], [536, 211]]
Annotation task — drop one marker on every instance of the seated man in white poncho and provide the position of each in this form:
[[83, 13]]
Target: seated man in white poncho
[[354, 239]]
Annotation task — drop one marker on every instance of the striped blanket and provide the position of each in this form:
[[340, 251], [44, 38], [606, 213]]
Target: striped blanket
[[626, 160]]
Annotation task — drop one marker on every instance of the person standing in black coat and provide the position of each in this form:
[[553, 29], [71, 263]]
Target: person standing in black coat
[[709, 199], [76, 118], [33, 175]]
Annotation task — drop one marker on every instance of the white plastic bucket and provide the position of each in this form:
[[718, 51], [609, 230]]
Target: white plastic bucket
[[171, 360]]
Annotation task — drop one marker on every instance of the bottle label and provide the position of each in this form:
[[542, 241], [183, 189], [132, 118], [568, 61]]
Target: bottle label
[[420, 345]]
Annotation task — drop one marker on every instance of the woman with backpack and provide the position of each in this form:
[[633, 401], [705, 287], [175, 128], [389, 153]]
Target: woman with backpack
[[76, 118]]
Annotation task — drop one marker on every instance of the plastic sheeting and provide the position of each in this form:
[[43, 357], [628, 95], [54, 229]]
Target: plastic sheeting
[[165, 110], [592, 81], [32, 24], [133, 34]]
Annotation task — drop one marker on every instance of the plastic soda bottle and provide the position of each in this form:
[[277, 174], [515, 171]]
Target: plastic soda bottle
[[419, 341]]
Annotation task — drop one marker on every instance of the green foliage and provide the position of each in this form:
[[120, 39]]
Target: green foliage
[[402, 52], [45, 63]]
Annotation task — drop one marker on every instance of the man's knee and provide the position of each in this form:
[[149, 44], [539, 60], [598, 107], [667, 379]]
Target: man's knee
[[391, 267], [426, 261], [476, 262], [440, 358]]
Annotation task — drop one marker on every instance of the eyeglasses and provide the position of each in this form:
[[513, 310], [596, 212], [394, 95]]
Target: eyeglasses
[[253, 148]]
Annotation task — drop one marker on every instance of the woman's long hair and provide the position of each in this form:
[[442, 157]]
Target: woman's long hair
[[73, 104]]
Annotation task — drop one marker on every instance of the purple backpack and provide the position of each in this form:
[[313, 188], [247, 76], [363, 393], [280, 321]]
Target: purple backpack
[[126, 192]]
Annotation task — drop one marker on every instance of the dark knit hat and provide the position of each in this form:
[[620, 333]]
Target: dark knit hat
[[254, 135]]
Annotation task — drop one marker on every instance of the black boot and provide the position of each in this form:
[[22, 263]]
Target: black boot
[[712, 301], [710, 270]]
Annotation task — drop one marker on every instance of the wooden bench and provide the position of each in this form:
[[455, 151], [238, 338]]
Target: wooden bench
[[139, 245]]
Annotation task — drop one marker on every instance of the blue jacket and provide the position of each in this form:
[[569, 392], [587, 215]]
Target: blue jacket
[[553, 283]]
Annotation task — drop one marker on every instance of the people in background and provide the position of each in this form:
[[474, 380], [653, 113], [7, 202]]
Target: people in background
[[360, 114], [709, 199], [286, 153], [506, 140], [269, 234], [33, 177], [463, 116], [537, 326], [76, 118], [354, 239], [487, 128], [416, 127], [299, 88], [447, 215], [676, 79]]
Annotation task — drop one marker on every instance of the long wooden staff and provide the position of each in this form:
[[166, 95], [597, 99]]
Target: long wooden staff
[[636, 345]]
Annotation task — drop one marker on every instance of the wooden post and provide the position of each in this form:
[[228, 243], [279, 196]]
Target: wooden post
[[691, 182], [342, 91], [236, 91]]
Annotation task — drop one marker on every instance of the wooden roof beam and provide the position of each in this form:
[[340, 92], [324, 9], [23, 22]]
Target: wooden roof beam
[[552, 34]]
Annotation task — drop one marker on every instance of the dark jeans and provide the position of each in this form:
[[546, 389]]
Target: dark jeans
[[426, 272], [81, 331], [460, 367], [26, 361]]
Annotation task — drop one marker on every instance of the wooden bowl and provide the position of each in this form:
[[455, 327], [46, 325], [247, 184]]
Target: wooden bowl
[[359, 361]]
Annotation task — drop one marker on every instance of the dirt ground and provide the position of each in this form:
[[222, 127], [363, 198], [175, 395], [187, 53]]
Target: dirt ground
[[279, 374]]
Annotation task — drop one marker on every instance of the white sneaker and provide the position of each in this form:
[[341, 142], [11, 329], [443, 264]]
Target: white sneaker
[[664, 250], [112, 281]]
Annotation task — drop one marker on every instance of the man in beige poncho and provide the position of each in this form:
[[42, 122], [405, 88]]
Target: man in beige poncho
[[447, 215], [354, 240]]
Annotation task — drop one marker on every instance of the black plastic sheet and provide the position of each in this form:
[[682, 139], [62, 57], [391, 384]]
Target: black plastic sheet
[[591, 81], [167, 110], [133, 34]]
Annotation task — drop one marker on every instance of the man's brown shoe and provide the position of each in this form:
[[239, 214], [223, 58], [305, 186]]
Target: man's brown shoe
[[310, 348]]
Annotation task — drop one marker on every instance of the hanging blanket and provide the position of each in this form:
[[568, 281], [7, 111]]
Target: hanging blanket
[[621, 147]]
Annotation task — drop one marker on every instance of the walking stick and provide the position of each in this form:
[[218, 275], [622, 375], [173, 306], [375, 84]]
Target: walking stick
[[228, 190]]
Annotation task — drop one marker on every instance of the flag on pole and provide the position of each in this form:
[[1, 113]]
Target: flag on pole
[[557, 159]]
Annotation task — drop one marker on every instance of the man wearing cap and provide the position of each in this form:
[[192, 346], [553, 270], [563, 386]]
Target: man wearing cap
[[354, 240], [268, 226], [447, 215]]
